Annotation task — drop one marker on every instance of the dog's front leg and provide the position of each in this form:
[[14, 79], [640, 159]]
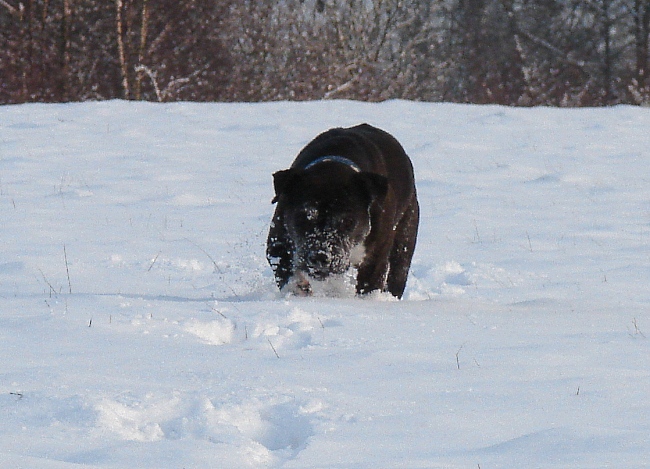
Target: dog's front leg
[[372, 275], [279, 250]]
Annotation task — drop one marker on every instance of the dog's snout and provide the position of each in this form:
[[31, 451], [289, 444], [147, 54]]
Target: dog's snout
[[318, 259], [318, 264]]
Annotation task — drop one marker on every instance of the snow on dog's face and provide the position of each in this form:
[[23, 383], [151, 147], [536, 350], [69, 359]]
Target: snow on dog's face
[[326, 212], [325, 237]]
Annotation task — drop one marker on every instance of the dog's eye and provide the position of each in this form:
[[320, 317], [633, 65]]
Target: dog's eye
[[311, 213], [307, 215]]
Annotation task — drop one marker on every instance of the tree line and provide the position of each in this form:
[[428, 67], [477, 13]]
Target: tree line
[[513, 52]]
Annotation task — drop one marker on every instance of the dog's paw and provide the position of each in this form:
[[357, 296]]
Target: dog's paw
[[299, 285], [303, 289]]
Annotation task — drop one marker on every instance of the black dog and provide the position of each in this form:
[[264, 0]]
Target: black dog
[[348, 200]]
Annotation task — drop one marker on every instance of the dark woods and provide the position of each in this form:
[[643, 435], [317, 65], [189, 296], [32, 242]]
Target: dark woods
[[514, 52]]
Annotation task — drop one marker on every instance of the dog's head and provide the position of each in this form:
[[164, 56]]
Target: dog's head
[[326, 212]]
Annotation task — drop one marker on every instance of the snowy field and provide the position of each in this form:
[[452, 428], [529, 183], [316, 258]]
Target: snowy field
[[140, 326]]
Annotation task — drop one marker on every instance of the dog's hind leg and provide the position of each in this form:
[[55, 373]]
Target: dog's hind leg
[[402, 250], [279, 250]]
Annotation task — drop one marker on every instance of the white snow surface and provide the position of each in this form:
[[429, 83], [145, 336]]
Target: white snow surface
[[140, 326]]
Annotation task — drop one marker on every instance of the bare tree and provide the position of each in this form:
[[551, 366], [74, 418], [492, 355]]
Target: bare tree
[[515, 52], [640, 86], [332, 49]]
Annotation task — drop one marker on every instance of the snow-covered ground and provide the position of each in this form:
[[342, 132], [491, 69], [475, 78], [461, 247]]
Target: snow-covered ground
[[140, 326]]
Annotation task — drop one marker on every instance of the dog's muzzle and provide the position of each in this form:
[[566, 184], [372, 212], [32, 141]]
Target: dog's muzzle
[[321, 262], [320, 266]]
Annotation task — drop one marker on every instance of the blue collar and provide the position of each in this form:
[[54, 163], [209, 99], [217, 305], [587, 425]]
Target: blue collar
[[334, 159]]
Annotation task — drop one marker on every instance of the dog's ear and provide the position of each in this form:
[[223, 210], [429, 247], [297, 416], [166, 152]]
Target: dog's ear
[[375, 185], [282, 180]]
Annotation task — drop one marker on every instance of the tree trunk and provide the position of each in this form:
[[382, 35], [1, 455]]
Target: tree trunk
[[607, 59], [64, 54], [141, 50], [642, 40], [119, 24]]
